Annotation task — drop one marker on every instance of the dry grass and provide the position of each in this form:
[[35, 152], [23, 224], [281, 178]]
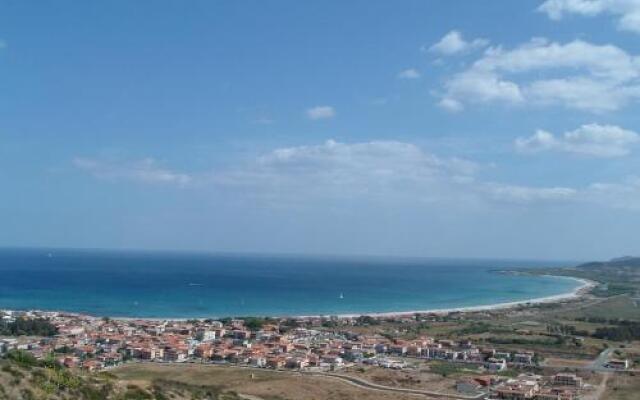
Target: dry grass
[[623, 387], [268, 385], [420, 378]]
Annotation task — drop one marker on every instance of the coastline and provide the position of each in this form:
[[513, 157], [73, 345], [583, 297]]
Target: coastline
[[576, 293], [580, 291]]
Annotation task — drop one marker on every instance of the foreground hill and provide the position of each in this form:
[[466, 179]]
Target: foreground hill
[[24, 378]]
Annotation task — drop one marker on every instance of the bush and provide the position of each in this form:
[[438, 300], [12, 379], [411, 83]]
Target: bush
[[23, 358], [28, 327]]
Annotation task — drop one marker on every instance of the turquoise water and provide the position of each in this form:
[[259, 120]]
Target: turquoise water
[[164, 284]]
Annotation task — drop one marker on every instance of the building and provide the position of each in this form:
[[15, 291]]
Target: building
[[570, 380], [618, 364], [494, 364], [206, 335], [523, 358]]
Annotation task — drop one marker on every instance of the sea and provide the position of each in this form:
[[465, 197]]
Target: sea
[[141, 284]]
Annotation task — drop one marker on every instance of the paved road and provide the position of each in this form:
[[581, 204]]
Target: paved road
[[599, 364]]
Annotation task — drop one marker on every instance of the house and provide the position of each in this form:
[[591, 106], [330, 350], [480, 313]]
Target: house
[[148, 353], [618, 364], [110, 359], [203, 351], [398, 349], [570, 380], [437, 352], [258, 361], [494, 364], [7, 344], [276, 362], [393, 364], [241, 334], [381, 348], [523, 358], [92, 365], [70, 362], [517, 390], [333, 360], [297, 362], [173, 354], [237, 323], [205, 335]]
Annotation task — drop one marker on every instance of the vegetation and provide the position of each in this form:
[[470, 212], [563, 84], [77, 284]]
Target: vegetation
[[254, 324], [625, 332], [367, 320], [22, 377], [552, 341], [27, 327], [561, 329], [447, 368], [620, 276]]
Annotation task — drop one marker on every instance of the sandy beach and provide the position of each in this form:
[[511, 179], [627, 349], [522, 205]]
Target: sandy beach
[[585, 287]]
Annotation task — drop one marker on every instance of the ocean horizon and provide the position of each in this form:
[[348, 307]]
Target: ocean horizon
[[160, 284]]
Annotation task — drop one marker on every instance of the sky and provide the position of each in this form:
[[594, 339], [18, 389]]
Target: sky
[[406, 128]]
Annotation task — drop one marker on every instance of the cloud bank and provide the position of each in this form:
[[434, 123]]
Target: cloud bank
[[577, 75], [626, 12], [594, 140]]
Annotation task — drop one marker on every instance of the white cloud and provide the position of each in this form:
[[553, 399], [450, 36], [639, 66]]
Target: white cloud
[[526, 194], [577, 74], [390, 172], [146, 171], [590, 140], [337, 162], [453, 43], [410, 73], [381, 170], [321, 112], [479, 87], [622, 195], [451, 105], [627, 11]]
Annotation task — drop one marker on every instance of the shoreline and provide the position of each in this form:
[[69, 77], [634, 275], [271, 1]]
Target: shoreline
[[580, 291], [576, 293]]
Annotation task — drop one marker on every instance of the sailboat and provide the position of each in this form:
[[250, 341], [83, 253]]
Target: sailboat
[[341, 296]]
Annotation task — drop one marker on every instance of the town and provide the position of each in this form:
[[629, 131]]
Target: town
[[306, 345]]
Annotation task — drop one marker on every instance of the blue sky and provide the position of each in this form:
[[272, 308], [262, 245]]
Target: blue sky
[[410, 128]]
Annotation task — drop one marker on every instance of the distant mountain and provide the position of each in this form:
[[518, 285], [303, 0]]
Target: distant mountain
[[626, 261]]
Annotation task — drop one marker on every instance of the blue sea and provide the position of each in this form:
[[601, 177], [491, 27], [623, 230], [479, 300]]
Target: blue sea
[[183, 285]]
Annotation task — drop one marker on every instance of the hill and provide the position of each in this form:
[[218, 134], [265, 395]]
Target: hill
[[621, 262], [22, 377]]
